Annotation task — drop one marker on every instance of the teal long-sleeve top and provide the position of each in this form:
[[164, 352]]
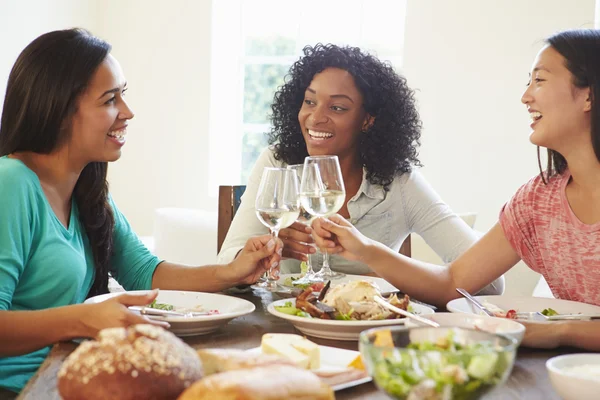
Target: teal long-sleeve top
[[44, 264]]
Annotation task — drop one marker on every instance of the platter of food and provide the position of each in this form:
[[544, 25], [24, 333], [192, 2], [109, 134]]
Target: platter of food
[[343, 310]]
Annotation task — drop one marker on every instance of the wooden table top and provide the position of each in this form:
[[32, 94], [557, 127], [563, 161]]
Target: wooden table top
[[529, 379]]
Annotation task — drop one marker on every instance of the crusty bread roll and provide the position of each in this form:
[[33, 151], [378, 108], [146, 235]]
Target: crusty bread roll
[[274, 382], [222, 360], [140, 362]]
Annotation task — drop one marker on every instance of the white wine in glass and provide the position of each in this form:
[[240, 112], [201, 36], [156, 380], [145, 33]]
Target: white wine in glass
[[322, 194], [277, 206]]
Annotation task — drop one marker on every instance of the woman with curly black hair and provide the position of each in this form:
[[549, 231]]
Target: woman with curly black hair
[[342, 101]]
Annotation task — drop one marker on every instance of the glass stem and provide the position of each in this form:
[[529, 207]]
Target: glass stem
[[326, 268], [270, 279]]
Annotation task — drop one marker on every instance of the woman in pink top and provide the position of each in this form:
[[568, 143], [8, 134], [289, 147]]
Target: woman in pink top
[[552, 222]]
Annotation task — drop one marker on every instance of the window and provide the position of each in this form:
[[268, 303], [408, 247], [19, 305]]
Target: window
[[254, 42]]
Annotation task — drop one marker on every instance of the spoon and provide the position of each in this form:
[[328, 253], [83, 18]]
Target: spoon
[[407, 314]]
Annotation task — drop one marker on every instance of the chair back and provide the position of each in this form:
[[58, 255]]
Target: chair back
[[230, 198], [405, 249]]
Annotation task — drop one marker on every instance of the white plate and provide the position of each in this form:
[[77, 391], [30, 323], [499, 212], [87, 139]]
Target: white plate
[[523, 304], [569, 385], [337, 330], [334, 360], [381, 283], [229, 308]]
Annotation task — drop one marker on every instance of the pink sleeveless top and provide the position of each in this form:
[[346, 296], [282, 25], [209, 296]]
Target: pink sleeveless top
[[541, 227]]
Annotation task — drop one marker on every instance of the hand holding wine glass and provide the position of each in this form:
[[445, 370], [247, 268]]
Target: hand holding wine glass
[[322, 194], [277, 207]]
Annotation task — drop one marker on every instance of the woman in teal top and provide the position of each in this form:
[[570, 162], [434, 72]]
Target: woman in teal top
[[64, 119]]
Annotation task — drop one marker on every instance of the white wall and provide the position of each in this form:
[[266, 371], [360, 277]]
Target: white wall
[[21, 21], [469, 61], [164, 49]]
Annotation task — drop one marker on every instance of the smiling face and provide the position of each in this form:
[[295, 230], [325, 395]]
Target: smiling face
[[560, 111], [332, 114], [99, 126]]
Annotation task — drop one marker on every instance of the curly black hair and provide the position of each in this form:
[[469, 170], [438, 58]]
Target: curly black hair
[[389, 146]]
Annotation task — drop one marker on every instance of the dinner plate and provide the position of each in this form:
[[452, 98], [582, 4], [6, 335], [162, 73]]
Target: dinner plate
[[229, 308], [334, 360], [523, 304], [337, 330]]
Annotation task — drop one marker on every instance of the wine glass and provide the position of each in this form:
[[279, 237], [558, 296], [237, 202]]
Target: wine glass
[[277, 206], [322, 194], [304, 217]]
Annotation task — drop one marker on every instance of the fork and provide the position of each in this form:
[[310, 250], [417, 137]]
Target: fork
[[475, 301], [538, 316], [166, 313]]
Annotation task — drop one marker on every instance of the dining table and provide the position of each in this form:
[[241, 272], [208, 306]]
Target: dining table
[[529, 378]]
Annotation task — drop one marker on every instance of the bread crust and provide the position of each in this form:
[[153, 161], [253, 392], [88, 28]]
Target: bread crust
[[139, 362]]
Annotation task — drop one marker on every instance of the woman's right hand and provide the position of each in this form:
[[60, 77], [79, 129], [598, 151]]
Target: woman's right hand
[[297, 241], [114, 312], [335, 235]]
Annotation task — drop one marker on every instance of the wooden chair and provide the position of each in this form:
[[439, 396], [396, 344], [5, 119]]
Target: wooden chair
[[230, 198]]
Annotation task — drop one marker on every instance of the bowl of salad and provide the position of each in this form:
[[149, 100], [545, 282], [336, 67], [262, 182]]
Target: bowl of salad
[[436, 363]]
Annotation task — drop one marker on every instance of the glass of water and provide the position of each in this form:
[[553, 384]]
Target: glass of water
[[322, 194]]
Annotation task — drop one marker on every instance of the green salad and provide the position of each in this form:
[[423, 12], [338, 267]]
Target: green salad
[[440, 371], [548, 312], [161, 306], [288, 308]]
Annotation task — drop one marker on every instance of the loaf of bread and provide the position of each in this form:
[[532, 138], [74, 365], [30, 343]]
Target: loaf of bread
[[223, 360], [140, 362], [273, 382]]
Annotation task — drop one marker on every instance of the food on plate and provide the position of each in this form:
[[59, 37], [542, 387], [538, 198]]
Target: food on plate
[[444, 369], [273, 382], [548, 312], [512, 314], [301, 351], [291, 281], [161, 306], [499, 312], [215, 361], [223, 360], [350, 301], [184, 310], [138, 362]]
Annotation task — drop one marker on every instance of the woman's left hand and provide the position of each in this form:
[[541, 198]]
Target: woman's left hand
[[258, 255], [542, 335]]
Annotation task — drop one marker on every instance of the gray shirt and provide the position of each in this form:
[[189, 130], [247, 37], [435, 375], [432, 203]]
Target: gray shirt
[[410, 205]]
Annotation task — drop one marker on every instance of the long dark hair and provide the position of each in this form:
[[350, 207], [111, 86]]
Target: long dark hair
[[389, 146], [41, 97], [581, 51]]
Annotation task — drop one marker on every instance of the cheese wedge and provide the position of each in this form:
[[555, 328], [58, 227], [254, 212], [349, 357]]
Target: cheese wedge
[[295, 348], [357, 363], [383, 339]]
